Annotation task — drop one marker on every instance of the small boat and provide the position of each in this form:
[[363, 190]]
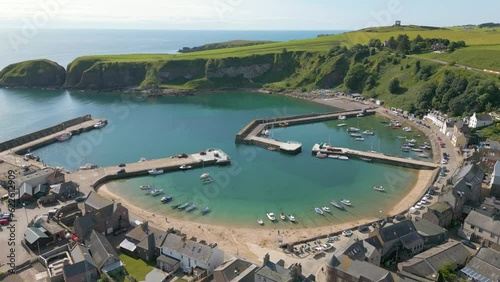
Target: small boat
[[142, 160], [208, 180], [190, 208], [100, 124], [341, 124], [318, 210], [204, 175], [325, 209], [366, 159], [145, 187], [406, 129], [291, 218], [355, 135], [321, 155], [359, 139], [345, 158], [63, 137], [166, 199], [405, 148], [184, 167], [156, 192], [155, 171], [260, 221], [411, 141], [271, 148], [205, 210], [342, 117], [352, 129], [88, 166], [336, 204], [425, 156], [346, 202], [333, 156], [417, 150], [410, 145], [271, 216], [265, 132], [401, 137], [379, 188], [360, 115], [282, 216], [427, 147], [183, 206], [368, 132], [174, 206]]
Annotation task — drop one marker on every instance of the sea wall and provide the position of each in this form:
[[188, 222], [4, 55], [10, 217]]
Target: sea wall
[[7, 145]]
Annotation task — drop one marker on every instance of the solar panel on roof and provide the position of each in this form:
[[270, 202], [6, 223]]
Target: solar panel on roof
[[475, 275]]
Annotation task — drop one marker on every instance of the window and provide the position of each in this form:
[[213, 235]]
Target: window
[[480, 230]]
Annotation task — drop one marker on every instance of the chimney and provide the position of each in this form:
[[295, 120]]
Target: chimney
[[266, 259], [145, 227]]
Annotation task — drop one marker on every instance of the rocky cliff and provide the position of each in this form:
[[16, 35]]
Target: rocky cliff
[[35, 73]]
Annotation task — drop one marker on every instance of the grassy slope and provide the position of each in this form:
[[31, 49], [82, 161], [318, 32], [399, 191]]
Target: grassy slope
[[482, 57], [227, 44]]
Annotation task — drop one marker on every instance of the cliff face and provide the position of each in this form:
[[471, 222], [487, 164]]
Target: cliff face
[[35, 73]]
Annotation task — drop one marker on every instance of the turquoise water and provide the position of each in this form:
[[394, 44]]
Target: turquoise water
[[257, 182]]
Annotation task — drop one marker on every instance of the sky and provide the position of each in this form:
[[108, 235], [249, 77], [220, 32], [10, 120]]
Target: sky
[[243, 14]]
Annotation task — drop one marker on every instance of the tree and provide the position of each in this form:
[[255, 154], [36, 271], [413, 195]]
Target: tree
[[394, 86], [417, 66], [375, 43], [355, 77], [392, 43], [403, 44], [446, 272]]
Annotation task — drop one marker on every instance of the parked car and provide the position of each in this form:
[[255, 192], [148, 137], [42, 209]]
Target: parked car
[[327, 247], [4, 221], [469, 244], [122, 165], [363, 228], [120, 171], [347, 233], [80, 199], [400, 217]]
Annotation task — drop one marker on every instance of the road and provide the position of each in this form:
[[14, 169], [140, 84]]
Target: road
[[447, 63]]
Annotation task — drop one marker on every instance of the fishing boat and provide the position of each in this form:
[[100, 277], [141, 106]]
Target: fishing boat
[[336, 204], [205, 175], [63, 137], [318, 210], [346, 202], [145, 187], [325, 209], [291, 218], [155, 171], [342, 117], [345, 158], [100, 124], [352, 129], [143, 159], [355, 135], [333, 156], [321, 155], [406, 129], [184, 167], [405, 148], [166, 199], [208, 180], [190, 208], [341, 124], [282, 216], [260, 221], [366, 159], [271, 216], [183, 206], [88, 166], [156, 192], [417, 150], [379, 188], [359, 139], [205, 210], [368, 132], [270, 148]]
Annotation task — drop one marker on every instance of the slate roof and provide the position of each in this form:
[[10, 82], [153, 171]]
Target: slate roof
[[87, 222], [496, 173], [485, 266], [411, 240], [375, 242], [484, 222], [168, 260], [101, 250], [25, 189], [194, 250], [397, 230], [235, 267], [483, 117], [62, 188], [364, 269], [71, 270], [97, 201], [274, 272], [42, 188], [440, 207], [32, 234], [427, 228], [80, 253]]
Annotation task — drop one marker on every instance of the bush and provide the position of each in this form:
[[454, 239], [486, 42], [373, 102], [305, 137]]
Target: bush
[[394, 86]]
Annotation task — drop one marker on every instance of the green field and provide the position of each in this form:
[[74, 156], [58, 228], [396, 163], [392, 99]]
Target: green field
[[136, 267], [481, 57]]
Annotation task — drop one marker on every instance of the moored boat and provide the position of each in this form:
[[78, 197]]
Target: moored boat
[[318, 210], [405, 148], [265, 132], [155, 171], [321, 155], [333, 156], [379, 188], [166, 199], [336, 204], [271, 216], [368, 132], [145, 187], [417, 150], [143, 159], [291, 218], [342, 117], [183, 206], [325, 209], [360, 115], [208, 180], [88, 166], [204, 175], [63, 137], [345, 158], [270, 148], [260, 221], [190, 208], [359, 139], [341, 124], [425, 156], [366, 159], [346, 202], [156, 192], [406, 129], [100, 124], [184, 167], [352, 129], [355, 135], [205, 210], [282, 216]]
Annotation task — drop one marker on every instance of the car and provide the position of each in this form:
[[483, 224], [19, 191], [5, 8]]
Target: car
[[7, 216], [327, 247], [468, 244], [4, 221], [80, 199], [120, 171], [363, 228], [5, 197], [443, 161], [122, 165], [347, 233], [400, 217]]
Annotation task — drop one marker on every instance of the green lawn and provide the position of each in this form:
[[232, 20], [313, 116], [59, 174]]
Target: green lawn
[[137, 267], [485, 56]]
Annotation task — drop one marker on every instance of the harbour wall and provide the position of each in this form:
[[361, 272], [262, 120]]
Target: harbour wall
[[7, 145]]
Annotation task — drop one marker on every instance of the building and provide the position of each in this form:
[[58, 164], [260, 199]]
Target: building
[[65, 190], [439, 213], [195, 257], [399, 240], [104, 255], [82, 268], [447, 128], [25, 193], [480, 120], [235, 270], [427, 264], [36, 237], [489, 207], [43, 231], [436, 118], [495, 181], [44, 176], [483, 267], [483, 229], [277, 272], [143, 241], [431, 233], [461, 134], [466, 186], [102, 215], [156, 275]]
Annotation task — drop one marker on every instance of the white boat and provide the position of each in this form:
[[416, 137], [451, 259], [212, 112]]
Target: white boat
[[360, 115], [406, 129], [190, 208], [260, 221], [366, 159], [204, 175], [145, 187], [411, 141], [100, 124], [368, 132], [185, 167], [345, 158], [156, 192], [417, 150], [333, 156], [342, 117], [88, 166], [359, 139], [425, 156], [325, 209], [355, 135], [405, 148], [341, 124], [352, 129], [291, 218], [271, 216], [346, 202], [282, 216], [155, 171], [319, 211], [208, 180], [166, 199], [336, 204], [143, 159], [321, 155], [63, 137], [265, 132], [379, 188]]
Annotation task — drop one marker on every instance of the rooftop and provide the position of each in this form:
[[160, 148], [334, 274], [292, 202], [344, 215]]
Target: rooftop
[[440, 207], [485, 266], [97, 201], [484, 222], [192, 249], [427, 228], [235, 267], [397, 230]]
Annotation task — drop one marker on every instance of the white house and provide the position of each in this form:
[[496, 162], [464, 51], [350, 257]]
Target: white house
[[195, 257], [436, 118], [447, 128], [480, 120]]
